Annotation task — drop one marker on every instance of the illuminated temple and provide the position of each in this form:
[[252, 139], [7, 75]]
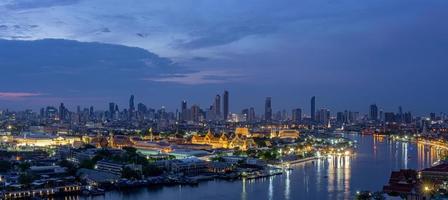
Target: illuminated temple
[[237, 141]]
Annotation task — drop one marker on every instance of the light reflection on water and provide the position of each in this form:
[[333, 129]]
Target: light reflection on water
[[337, 177]]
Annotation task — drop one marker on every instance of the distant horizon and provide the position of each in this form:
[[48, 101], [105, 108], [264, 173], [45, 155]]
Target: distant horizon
[[259, 110]]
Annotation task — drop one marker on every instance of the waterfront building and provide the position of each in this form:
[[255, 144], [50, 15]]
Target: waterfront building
[[115, 167], [189, 166]]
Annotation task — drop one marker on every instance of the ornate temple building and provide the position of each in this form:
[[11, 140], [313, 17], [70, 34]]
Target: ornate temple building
[[285, 134], [238, 141]]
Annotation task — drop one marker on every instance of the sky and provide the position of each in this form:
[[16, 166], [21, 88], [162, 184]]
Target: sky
[[347, 53]]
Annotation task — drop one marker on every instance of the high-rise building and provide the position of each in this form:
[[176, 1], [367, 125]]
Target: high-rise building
[[183, 112], [91, 112], [226, 105], [297, 115], [217, 106], [373, 114], [400, 117], [340, 117], [62, 112], [323, 116], [195, 113], [432, 116], [268, 109], [131, 108], [131, 104], [313, 108], [407, 117], [389, 117], [251, 116], [111, 110], [51, 112], [245, 114]]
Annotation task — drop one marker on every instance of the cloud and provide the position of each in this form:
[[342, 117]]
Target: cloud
[[222, 35], [61, 66], [17, 95], [198, 78], [31, 4]]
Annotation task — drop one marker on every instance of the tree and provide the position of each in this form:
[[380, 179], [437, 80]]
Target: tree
[[152, 170], [130, 174], [71, 169], [87, 163], [5, 165], [26, 179], [23, 166], [130, 150], [364, 195], [378, 196]]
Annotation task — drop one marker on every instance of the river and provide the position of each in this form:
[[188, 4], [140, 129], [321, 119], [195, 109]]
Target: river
[[332, 178]]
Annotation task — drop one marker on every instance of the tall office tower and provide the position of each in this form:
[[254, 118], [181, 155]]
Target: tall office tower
[[251, 117], [42, 112], [373, 114], [131, 103], [268, 109], [62, 112], [324, 116], [313, 108], [297, 115], [226, 105], [183, 112], [91, 112], [131, 108], [381, 115], [400, 114], [51, 112], [195, 113], [111, 110], [340, 117], [245, 114], [389, 117], [217, 106], [407, 117], [432, 116]]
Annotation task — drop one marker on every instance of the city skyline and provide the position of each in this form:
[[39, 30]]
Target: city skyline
[[218, 107]]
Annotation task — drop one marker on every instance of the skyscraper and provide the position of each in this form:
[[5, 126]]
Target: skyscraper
[[111, 110], [226, 105], [268, 109], [131, 107], [373, 114], [62, 112], [131, 104], [251, 117], [297, 115], [217, 106], [313, 108], [183, 114]]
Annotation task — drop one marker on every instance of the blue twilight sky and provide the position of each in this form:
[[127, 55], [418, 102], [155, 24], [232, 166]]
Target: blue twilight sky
[[348, 53]]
